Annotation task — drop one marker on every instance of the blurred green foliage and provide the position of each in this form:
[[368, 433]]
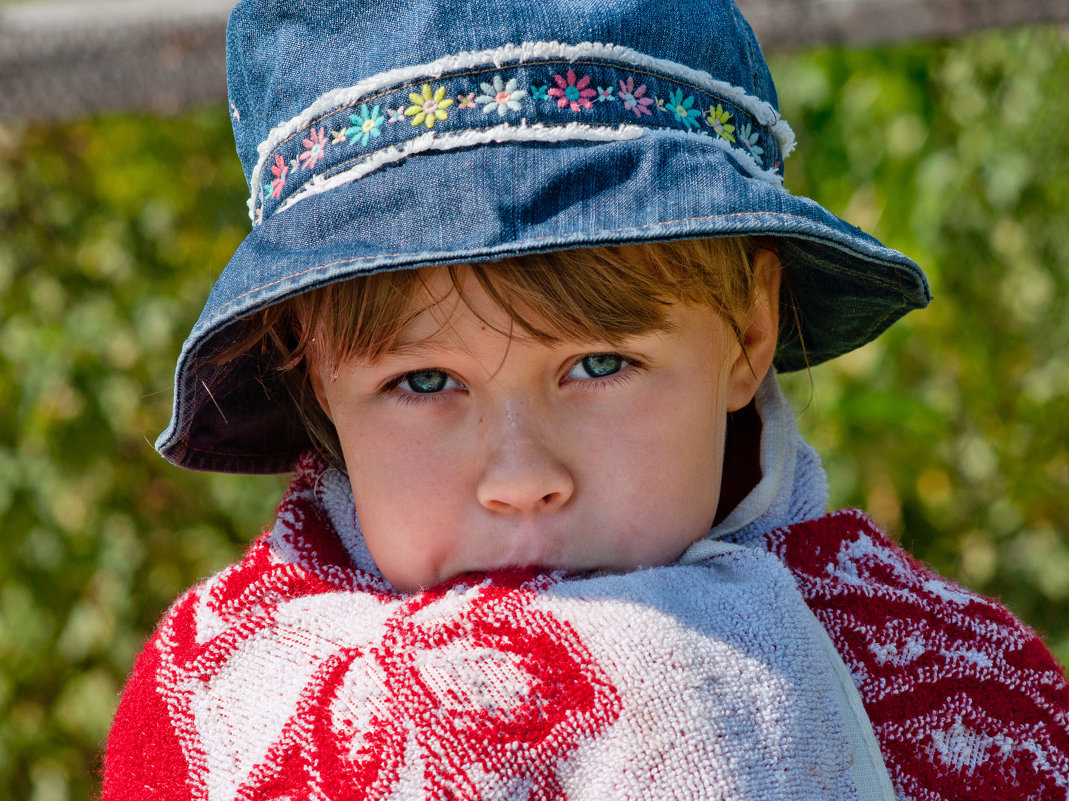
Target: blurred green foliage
[[952, 429]]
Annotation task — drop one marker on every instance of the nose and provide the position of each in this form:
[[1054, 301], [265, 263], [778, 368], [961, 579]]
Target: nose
[[523, 472]]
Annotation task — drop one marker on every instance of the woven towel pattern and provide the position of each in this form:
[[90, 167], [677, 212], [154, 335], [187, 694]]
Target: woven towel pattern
[[298, 674], [966, 702]]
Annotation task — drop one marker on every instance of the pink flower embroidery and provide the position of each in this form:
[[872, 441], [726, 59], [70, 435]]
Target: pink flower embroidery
[[466, 101], [633, 98], [571, 93], [280, 170], [314, 148]]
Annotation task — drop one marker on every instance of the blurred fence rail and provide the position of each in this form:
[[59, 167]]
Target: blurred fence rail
[[62, 59]]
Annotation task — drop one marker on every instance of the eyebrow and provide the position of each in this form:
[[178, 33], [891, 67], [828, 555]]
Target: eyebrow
[[417, 347], [405, 346], [432, 344]]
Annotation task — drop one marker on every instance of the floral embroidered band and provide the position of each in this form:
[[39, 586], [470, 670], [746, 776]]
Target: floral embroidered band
[[529, 101]]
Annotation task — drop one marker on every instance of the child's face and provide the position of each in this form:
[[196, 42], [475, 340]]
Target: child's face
[[469, 450]]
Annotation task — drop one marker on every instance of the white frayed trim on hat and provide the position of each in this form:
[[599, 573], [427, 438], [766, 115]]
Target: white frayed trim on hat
[[575, 131], [743, 158], [763, 111], [451, 141]]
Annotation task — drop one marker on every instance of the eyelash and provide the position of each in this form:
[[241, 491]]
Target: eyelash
[[626, 374], [390, 389]]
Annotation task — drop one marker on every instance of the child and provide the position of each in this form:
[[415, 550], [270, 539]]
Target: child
[[512, 309]]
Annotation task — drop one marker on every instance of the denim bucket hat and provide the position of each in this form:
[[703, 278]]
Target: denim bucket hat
[[378, 135]]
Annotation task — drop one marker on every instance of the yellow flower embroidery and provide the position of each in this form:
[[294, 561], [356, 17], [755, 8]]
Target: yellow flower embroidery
[[718, 121], [426, 108]]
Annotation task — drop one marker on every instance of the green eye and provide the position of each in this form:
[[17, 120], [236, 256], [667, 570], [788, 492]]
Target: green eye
[[598, 365], [425, 381], [603, 364]]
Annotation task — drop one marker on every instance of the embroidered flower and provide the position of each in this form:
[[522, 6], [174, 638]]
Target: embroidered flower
[[539, 92], [571, 93], [337, 137], [314, 148], [718, 119], [749, 138], [683, 109], [395, 114], [660, 104], [466, 101], [633, 98], [500, 96], [427, 108], [366, 124], [605, 93], [280, 170]]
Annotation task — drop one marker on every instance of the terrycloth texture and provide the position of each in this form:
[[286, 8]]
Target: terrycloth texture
[[243, 679], [255, 676], [300, 674], [965, 701]]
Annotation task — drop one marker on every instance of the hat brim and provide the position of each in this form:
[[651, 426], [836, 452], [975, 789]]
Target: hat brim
[[499, 200]]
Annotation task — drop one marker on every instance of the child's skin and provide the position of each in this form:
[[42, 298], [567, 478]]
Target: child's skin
[[471, 449]]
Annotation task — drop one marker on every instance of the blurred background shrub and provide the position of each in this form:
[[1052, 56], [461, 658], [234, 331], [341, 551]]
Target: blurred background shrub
[[952, 429]]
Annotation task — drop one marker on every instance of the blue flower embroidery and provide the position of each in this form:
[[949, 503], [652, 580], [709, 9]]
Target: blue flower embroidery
[[366, 124], [540, 92], [749, 138], [500, 96], [682, 108], [605, 93]]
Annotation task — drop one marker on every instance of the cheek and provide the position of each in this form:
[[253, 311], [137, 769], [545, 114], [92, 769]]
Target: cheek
[[682, 471], [392, 461], [406, 494], [666, 458]]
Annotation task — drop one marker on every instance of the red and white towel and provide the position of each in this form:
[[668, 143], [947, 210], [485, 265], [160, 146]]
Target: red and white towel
[[300, 674]]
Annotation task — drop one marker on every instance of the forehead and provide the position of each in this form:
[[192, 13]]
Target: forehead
[[449, 308], [542, 299], [462, 317]]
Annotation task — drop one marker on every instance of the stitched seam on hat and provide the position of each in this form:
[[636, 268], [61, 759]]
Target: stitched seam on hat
[[187, 441], [522, 54], [354, 260]]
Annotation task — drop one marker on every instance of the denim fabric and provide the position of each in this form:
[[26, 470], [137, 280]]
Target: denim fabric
[[346, 177]]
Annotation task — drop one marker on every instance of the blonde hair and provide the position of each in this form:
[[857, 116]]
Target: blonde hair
[[600, 294]]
